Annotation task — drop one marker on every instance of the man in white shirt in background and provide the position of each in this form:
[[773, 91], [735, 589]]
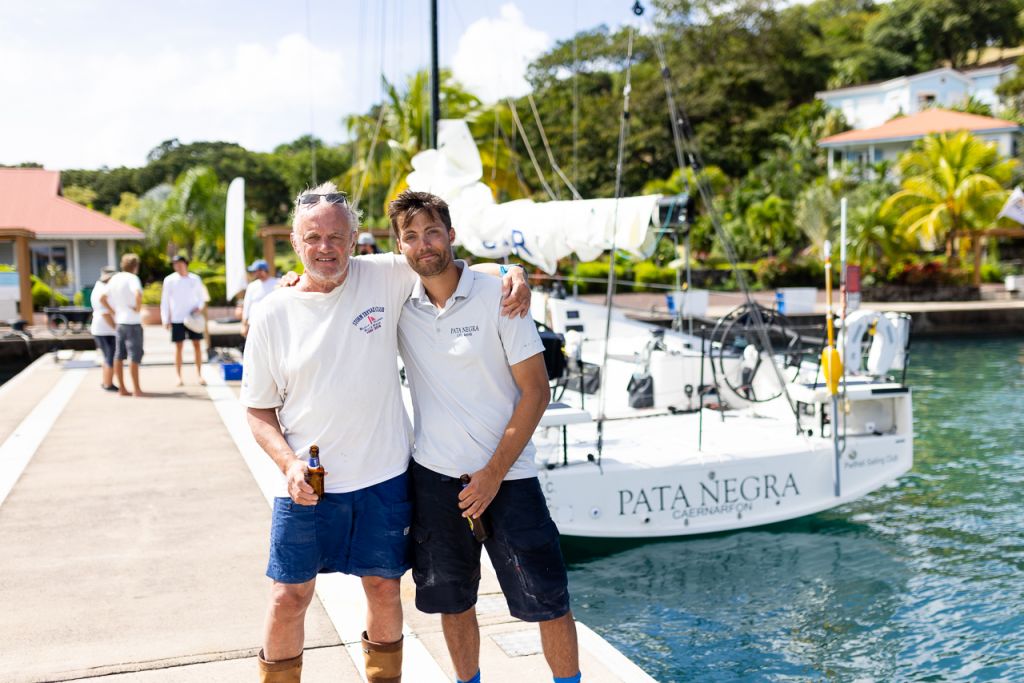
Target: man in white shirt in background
[[263, 284], [103, 327], [183, 295], [479, 389], [124, 297]]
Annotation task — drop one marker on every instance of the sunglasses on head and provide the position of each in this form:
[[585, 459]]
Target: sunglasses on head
[[330, 198]]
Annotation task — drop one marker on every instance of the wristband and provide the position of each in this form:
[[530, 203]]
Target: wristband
[[503, 268]]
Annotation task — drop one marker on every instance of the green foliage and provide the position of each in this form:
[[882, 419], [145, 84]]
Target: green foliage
[[152, 292], [154, 265], [951, 184], [991, 272], [216, 286], [645, 272], [43, 296], [596, 271], [80, 195], [774, 272]]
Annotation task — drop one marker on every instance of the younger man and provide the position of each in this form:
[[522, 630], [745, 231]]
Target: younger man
[[450, 329]]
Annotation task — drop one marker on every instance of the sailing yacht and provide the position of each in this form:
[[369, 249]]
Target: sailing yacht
[[657, 433]]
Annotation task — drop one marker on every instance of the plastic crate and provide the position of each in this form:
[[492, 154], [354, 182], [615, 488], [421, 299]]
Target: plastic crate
[[231, 371]]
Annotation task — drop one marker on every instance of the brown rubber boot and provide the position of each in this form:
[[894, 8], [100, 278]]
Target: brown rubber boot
[[284, 671], [383, 661]]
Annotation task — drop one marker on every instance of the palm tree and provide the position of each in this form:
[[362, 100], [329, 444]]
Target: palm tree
[[953, 185], [393, 132], [192, 216]]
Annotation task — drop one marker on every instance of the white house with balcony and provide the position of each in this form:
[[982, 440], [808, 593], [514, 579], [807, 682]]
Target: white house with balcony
[[872, 104]]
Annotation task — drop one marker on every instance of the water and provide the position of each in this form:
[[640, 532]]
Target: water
[[920, 581]]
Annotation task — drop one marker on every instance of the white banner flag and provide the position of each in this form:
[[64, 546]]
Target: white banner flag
[[234, 239], [1014, 206]]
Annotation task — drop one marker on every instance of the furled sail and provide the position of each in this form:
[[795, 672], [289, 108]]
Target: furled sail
[[537, 232], [234, 238]]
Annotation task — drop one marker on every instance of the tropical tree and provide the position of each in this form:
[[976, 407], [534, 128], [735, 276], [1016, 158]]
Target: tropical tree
[[192, 216], [816, 213], [393, 132], [953, 186]]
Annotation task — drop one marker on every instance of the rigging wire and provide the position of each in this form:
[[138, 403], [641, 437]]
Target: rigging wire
[[623, 134], [547, 147], [529, 148], [575, 94], [683, 138], [309, 70]]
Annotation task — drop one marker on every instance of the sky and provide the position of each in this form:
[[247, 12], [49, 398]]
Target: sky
[[94, 83]]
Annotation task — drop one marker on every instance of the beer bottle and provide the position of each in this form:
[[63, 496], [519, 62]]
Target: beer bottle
[[315, 473], [477, 526]]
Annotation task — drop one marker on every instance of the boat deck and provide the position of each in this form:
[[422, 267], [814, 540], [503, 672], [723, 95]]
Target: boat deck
[[134, 536]]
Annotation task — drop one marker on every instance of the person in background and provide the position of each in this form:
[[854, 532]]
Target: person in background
[[103, 327], [365, 244], [124, 297], [183, 295], [263, 283]]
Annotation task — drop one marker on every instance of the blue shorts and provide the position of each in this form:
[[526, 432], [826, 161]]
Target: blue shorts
[[523, 547], [364, 533]]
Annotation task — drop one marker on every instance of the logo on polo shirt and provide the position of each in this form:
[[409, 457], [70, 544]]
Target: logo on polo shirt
[[369, 320], [467, 331]]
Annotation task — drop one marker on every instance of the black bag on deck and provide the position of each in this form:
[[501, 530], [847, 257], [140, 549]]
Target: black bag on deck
[[554, 353], [641, 390]]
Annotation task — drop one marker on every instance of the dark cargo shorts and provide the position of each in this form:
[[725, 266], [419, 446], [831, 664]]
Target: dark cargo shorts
[[523, 547]]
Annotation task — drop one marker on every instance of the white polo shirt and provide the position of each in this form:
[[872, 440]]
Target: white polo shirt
[[327, 363], [180, 296], [458, 363]]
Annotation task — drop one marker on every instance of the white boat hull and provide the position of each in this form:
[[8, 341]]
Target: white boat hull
[[620, 500]]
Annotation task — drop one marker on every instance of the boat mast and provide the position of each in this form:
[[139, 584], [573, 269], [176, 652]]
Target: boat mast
[[435, 77]]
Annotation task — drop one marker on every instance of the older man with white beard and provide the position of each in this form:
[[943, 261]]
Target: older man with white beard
[[320, 370]]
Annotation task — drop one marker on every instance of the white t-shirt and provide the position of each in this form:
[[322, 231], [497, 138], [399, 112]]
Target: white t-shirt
[[255, 292], [180, 296], [458, 363], [121, 293], [99, 326], [327, 363]]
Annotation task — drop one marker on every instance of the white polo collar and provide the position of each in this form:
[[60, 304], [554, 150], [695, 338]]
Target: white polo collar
[[462, 290]]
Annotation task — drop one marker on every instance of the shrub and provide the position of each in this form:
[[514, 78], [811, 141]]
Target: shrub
[[772, 273], [216, 286], [646, 272], [991, 272], [41, 295], [151, 293], [594, 270]]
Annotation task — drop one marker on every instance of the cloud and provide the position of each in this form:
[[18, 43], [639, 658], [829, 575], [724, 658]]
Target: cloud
[[493, 54], [71, 112]]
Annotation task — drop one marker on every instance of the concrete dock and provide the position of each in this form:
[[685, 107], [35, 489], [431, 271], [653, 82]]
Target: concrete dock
[[133, 541]]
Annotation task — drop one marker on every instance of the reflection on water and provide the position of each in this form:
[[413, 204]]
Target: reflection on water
[[922, 581]]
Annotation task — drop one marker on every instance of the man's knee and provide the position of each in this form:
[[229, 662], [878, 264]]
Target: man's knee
[[290, 600], [379, 589]]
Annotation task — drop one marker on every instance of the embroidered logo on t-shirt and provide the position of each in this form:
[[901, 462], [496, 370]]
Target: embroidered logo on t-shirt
[[467, 331], [369, 320]]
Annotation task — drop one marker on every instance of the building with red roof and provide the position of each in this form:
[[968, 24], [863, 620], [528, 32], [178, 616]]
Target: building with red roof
[[38, 227], [887, 141]]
